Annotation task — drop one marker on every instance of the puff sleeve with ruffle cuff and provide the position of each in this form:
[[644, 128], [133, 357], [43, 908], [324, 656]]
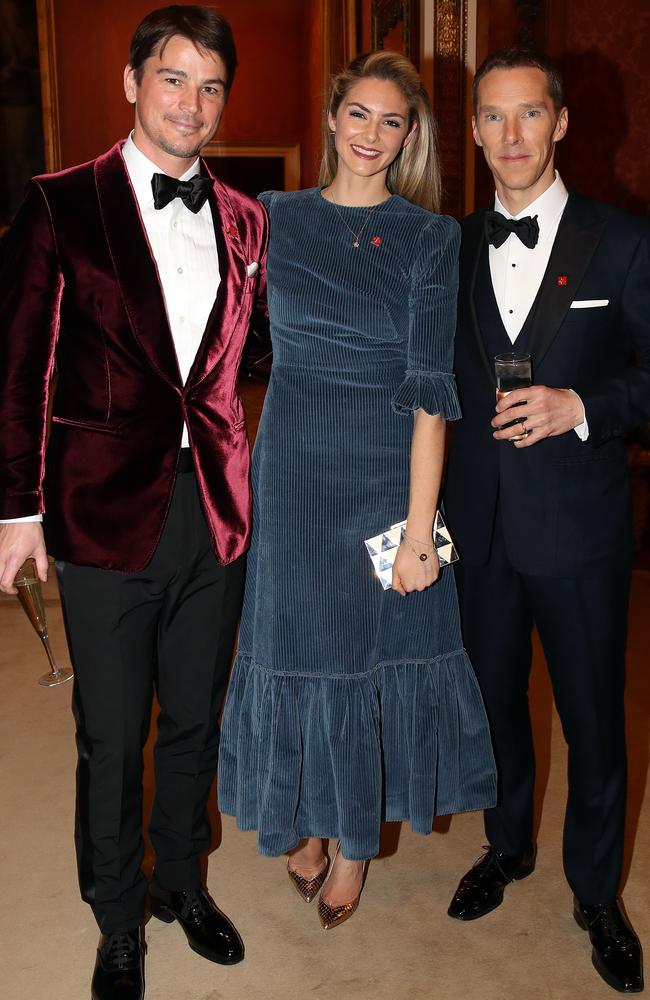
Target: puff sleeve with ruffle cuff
[[428, 380], [433, 392]]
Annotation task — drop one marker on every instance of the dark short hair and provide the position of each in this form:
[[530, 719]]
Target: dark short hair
[[200, 25], [519, 58]]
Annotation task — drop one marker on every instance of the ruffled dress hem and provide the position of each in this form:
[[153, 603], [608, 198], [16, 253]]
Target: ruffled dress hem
[[323, 755]]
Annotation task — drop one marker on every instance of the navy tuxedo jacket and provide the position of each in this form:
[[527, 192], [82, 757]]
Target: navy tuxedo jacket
[[564, 503]]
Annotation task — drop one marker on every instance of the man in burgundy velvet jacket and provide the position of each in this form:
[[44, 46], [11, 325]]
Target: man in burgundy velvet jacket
[[134, 277]]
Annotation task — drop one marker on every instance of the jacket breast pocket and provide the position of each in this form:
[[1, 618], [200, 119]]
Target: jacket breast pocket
[[589, 303]]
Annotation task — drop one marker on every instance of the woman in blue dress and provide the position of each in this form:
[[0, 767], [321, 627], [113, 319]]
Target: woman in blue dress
[[348, 704]]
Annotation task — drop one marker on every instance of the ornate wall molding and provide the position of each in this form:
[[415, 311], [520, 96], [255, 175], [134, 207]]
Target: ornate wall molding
[[450, 52], [49, 86]]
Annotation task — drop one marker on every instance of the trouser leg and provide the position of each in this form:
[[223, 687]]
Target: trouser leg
[[582, 624], [496, 622], [196, 637], [126, 632], [112, 647]]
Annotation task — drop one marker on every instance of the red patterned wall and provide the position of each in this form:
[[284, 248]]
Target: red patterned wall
[[607, 71]]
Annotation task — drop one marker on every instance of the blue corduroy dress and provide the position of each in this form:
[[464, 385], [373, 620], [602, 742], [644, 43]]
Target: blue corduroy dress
[[349, 704]]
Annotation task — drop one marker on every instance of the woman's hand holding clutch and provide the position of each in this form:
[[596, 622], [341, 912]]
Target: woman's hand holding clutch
[[412, 572]]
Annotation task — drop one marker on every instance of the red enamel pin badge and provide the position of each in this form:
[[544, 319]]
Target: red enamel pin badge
[[376, 241], [562, 279]]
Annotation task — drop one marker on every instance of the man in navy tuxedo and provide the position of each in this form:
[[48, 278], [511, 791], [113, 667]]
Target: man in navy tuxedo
[[542, 520]]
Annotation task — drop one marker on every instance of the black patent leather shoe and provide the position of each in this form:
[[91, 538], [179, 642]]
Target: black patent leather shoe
[[616, 951], [481, 890], [209, 932], [119, 968]]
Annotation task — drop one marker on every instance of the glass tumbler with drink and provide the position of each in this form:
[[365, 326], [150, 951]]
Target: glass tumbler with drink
[[513, 371]]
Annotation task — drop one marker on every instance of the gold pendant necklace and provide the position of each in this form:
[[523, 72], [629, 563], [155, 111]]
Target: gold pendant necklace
[[357, 236]]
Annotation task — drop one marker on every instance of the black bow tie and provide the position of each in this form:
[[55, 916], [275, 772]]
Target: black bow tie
[[498, 229], [192, 193]]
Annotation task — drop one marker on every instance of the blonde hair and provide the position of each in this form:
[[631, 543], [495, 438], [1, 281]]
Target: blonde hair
[[415, 172]]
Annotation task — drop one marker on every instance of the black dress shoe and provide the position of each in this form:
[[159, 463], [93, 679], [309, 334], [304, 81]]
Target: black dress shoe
[[208, 930], [616, 951], [119, 969], [481, 889]]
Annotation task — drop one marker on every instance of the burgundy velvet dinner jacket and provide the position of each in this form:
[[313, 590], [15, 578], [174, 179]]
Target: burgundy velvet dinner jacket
[[80, 293]]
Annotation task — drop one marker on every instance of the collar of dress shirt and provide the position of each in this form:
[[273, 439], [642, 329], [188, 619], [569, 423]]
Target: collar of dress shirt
[[141, 169], [548, 208]]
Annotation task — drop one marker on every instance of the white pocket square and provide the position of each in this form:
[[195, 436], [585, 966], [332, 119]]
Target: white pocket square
[[252, 268], [589, 303]]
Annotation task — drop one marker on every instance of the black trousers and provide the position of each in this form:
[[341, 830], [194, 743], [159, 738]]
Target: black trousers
[[582, 625], [170, 628]]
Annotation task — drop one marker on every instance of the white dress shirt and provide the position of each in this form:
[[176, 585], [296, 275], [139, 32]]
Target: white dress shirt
[[517, 271], [184, 248]]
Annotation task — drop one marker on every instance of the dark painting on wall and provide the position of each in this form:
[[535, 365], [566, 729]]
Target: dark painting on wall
[[395, 25], [250, 175], [382, 24], [21, 125], [252, 166]]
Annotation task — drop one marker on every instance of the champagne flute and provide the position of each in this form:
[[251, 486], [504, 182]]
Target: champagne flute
[[30, 595], [513, 371]]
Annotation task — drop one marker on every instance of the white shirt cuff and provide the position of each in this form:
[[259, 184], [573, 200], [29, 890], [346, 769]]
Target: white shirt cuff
[[31, 518], [582, 430]]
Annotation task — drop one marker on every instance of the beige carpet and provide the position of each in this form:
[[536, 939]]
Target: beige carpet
[[399, 946]]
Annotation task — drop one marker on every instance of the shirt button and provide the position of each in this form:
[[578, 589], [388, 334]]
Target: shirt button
[[510, 311], [180, 270], [514, 265], [175, 226]]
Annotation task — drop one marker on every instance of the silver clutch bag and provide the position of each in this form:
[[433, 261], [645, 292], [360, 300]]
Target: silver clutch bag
[[382, 549]]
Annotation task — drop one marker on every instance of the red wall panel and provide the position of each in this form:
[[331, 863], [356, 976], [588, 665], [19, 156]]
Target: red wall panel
[[269, 96], [607, 150]]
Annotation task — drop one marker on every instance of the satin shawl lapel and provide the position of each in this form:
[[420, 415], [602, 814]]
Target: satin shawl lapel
[[577, 237], [134, 265], [473, 243], [223, 317]]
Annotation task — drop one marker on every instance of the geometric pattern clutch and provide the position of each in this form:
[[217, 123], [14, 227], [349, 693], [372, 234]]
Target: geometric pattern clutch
[[382, 549]]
